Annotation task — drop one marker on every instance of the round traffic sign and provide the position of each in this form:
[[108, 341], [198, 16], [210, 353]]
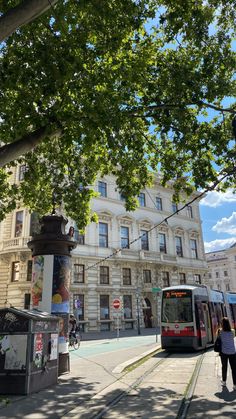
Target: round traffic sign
[[116, 303]]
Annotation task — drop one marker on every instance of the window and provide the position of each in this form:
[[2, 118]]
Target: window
[[142, 199], [19, 224], [104, 307], [124, 236], [217, 275], [27, 301], [190, 211], [162, 242], [102, 188], [78, 236], [158, 203], [197, 278], [165, 279], [193, 247], [182, 278], [78, 304], [127, 301], [103, 235], [104, 275], [79, 273], [174, 207], [147, 276], [209, 275], [227, 287], [29, 270], [15, 271], [35, 226], [126, 273], [144, 240], [178, 246], [225, 273], [22, 171]]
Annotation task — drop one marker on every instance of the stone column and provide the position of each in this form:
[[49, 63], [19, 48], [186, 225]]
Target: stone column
[[51, 276]]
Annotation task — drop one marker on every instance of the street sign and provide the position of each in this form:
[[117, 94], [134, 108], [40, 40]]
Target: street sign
[[156, 289], [116, 303]]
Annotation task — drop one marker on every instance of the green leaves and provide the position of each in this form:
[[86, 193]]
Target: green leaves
[[129, 99]]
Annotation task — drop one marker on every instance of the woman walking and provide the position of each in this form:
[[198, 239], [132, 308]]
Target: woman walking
[[228, 351]]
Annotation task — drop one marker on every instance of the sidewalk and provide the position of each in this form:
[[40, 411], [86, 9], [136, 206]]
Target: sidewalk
[[209, 399]]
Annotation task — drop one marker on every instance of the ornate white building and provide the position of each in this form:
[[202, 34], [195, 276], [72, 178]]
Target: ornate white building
[[222, 269], [126, 255]]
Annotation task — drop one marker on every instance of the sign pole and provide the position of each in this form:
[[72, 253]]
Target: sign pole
[[118, 331], [156, 291]]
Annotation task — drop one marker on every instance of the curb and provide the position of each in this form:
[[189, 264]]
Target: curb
[[120, 368]]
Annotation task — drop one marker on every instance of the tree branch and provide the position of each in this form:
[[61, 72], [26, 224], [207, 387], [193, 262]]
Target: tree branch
[[25, 12], [148, 109], [12, 151]]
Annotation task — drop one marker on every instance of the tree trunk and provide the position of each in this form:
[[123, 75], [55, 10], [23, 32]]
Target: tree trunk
[[25, 12], [12, 151]]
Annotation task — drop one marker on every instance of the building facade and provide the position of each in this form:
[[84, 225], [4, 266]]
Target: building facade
[[126, 256], [222, 269]]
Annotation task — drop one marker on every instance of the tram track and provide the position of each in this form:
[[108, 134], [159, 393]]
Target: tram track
[[115, 398]]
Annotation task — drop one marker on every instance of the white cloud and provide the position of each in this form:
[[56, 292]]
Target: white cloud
[[219, 244], [215, 199], [226, 225]]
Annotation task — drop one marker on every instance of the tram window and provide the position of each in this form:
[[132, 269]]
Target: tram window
[[177, 310]]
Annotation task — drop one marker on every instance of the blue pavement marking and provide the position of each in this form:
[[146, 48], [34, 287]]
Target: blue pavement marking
[[101, 347]]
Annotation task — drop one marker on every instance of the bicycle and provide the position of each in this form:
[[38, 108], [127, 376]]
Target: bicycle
[[74, 341]]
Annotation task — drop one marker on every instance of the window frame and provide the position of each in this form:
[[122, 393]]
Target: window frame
[[106, 307], [15, 273], [182, 278], [104, 275], [147, 276], [144, 240], [79, 272], [103, 235], [127, 298], [162, 244], [126, 276], [193, 248], [124, 237], [165, 279], [159, 205], [179, 246], [142, 199], [19, 223], [102, 188]]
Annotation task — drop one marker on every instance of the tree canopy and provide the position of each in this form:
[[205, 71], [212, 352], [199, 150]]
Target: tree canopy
[[127, 87]]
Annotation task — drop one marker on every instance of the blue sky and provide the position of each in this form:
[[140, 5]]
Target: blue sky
[[218, 214]]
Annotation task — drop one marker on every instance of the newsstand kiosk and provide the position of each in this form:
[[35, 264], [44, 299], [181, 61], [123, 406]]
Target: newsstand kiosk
[[28, 350]]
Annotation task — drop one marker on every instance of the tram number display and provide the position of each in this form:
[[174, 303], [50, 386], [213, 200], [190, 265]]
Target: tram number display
[[177, 294]]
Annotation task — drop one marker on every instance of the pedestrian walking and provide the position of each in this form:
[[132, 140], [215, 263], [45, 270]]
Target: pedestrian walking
[[228, 351]]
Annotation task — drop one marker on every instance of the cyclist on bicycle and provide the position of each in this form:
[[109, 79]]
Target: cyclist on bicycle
[[72, 326]]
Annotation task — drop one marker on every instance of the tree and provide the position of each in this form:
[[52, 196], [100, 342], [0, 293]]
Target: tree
[[120, 86]]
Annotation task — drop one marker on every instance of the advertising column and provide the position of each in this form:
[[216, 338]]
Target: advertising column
[[51, 277]]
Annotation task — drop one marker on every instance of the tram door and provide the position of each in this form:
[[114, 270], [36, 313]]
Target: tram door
[[207, 322], [201, 323]]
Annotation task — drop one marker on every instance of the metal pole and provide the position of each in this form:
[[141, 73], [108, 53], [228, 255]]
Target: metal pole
[[117, 323], [138, 318], [157, 315]]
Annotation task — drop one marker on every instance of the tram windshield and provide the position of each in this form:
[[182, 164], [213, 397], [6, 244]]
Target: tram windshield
[[177, 306]]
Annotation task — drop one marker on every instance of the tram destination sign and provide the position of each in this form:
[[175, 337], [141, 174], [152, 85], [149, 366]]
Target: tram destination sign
[[177, 294]]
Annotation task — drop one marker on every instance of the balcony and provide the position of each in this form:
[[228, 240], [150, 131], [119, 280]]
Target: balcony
[[15, 243]]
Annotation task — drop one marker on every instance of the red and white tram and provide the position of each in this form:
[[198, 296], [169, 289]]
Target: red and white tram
[[191, 316]]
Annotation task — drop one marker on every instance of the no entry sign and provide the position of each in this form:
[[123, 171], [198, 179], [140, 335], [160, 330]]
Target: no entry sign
[[116, 303]]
